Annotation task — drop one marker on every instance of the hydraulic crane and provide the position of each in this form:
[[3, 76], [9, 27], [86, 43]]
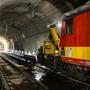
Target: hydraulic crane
[[49, 52]]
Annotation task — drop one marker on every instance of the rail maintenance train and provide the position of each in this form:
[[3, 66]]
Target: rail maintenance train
[[71, 53]]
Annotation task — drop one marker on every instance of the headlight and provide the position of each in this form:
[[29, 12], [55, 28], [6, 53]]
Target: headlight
[[87, 62]]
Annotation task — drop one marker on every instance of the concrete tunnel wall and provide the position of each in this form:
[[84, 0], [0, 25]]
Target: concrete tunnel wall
[[33, 43]]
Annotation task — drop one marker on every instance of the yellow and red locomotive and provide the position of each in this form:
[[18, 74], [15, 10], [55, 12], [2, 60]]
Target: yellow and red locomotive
[[75, 37], [75, 40]]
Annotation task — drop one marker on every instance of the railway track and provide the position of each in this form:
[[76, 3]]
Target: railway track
[[81, 83], [14, 77], [87, 85]]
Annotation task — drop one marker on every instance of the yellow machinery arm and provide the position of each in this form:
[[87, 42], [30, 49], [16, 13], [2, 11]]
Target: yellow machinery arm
[[54, 35], [51, 47]]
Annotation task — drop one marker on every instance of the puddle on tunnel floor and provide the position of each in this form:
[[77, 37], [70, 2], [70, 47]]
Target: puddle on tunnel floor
[[53, 81]]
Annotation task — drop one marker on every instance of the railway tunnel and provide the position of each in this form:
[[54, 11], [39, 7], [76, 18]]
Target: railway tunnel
[[23, 23], [24, 26]]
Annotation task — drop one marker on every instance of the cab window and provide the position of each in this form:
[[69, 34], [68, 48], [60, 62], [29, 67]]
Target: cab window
[[69, 25]]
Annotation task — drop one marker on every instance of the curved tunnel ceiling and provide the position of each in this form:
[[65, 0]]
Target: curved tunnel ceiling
[[25, 18]]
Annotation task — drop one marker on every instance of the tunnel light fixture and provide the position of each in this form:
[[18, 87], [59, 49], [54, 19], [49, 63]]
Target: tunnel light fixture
[[29, 53], [33, 53], [48, 26], [58, 25]]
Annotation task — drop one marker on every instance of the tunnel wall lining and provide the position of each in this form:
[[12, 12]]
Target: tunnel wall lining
[[33, 43]]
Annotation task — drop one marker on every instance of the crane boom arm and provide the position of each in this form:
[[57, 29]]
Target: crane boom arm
[[55, 36]]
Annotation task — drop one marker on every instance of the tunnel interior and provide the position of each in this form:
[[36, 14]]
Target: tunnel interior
[[43, 44], [24, 23]]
